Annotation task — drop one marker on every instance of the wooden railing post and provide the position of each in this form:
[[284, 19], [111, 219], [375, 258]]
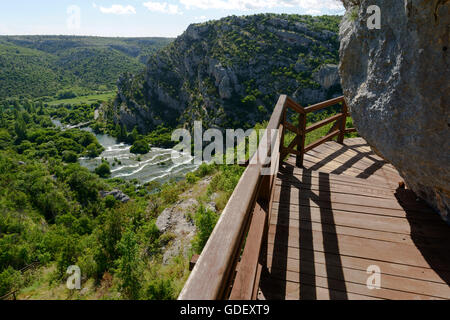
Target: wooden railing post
[[301, 139], [343, 122]]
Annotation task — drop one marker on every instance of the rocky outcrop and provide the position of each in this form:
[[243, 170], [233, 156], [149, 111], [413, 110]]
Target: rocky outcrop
[[117, 194], [328, 76], [208, 72], [396, 81]]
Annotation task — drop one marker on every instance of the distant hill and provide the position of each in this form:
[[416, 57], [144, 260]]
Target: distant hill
[[36, 66], [230, 72]]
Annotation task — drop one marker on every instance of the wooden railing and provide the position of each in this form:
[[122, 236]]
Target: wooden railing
[[231, 263], [13, 294]]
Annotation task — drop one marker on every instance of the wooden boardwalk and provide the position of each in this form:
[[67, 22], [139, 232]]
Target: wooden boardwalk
[[339, 215]]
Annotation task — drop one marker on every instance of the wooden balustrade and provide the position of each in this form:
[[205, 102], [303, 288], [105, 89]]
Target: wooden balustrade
[[230, 264]]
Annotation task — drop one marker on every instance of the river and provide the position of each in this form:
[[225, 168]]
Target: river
[[157, 165]]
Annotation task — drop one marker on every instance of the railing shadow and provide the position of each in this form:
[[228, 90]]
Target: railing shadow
[[431, 237], [365, 174], [272, 289], [306, 268]]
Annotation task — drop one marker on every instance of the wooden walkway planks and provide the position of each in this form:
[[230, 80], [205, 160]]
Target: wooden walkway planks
[[343, 213]]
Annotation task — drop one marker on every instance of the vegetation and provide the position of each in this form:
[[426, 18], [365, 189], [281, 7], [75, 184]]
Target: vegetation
[[258, 57], [51, 208], [140, 147], [62, 67], [51, 211]]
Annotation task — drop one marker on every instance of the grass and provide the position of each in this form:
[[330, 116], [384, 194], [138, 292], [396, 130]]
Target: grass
[[86, 99]]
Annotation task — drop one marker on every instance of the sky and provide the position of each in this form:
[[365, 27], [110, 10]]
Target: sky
[[137, 18]]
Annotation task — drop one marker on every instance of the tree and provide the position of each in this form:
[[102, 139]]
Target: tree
[[140, 147], [205, 220], [20, 128], [129, 266], [103, 170], [69, 157], [133, 137]]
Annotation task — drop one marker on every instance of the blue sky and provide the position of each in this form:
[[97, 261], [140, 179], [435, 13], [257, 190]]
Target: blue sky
[[136, 18]]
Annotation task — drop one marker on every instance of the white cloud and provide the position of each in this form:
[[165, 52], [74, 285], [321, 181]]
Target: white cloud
[[162, 7], [116, 9], [200, 18], [322, 5]]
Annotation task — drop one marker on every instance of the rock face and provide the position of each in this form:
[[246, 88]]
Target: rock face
[[117, 194], [229, 73], [396, 81]]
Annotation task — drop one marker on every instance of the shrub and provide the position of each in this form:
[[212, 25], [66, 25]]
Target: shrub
[[69, 157], [103, 170], [191, 178], [10, 280], [110, 201], [140, 147], [160, 289], [129, 267], [205, 220]]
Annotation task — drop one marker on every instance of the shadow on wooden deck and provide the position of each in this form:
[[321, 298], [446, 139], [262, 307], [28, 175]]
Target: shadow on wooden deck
[[305, 229]]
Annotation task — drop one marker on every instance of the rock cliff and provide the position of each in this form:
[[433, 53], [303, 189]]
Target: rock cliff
[[396, 81], [230, 72]]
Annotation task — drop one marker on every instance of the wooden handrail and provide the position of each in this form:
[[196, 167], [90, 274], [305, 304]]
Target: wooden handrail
[[212, 274], [324, 104], [221, 272]]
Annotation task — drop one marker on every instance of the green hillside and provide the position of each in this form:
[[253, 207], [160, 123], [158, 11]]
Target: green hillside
[[36, 66], [230, 72]]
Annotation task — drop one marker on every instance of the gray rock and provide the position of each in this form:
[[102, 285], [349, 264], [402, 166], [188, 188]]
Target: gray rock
[[175, 220], [328, 76], [396, 81], [117, 194]]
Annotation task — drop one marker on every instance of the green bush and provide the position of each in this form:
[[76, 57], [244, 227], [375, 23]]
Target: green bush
[[103, 170], [10, 280], [140, 147], [129, 268], [69, 157], [160, 289], [205, 220], [110, 201], [191, 178]]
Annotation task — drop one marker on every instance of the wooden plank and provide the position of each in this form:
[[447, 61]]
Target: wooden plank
[[368, 249], [324, 105], [323, 122], [418, 215], [244, 282], [343, 123], [292, 104], [352, 165], [393, 288], [298, 172], [366, 158], [368, 152], [295, 195], [301, 140], [322, 140], [211, 276], [400, 226], [293, 151], [345, 155], [330, 167], [293, 128], [270, 290], [293, 228], [318, 185], [414, 286], [354, 263]]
